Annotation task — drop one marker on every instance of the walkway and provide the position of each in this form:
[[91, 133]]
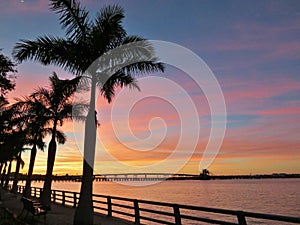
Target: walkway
[[59, 215]]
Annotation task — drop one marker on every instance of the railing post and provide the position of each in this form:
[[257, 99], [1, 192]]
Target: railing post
[[40, 191], [63, 198], [74, 199], [136, 212], [54, 195], [241, 218], [109, 208], [177, 215]]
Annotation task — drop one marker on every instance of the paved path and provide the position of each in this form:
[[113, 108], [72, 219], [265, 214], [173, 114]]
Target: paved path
[[59, 215]]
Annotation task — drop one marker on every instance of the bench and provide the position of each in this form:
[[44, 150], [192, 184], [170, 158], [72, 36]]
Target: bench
[[34, 207]]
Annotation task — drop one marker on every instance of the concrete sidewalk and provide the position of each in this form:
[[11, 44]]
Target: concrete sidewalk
[[59, 215]]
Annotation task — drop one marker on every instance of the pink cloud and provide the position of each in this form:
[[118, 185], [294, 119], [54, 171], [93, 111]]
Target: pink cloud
[[269, 43], [250, 94]]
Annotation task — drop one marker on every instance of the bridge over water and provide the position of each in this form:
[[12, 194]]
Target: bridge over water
[[117, 177], [124, 177]]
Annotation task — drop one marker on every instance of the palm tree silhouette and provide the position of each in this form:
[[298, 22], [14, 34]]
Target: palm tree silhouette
[[56, 105], [11, 148], [87, 40], [12, 141], [37, 127], [6, 83]]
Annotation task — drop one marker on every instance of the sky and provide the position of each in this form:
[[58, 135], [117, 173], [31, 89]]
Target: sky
[[251, 47]]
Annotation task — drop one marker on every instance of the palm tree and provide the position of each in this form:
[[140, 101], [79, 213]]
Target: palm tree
[[12, 148], [56, 106], [12, 139], [3, 173], [36, 122], [6, 83], [86, 40], [20, 163]]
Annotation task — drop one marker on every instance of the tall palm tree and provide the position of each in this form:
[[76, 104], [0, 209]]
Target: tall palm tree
[[19, 142], [20, 163], [12, 139], [7, 174], [3, 173], [86, 40], [36, 130], [13, 146], [56, 104]]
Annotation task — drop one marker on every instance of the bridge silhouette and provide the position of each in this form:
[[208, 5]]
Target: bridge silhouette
[[116, 177], [124, 177]]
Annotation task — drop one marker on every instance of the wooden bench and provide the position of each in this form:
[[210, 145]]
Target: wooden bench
[[33, 207]]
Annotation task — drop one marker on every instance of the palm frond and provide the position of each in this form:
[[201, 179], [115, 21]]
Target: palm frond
[[144, 67], [132, 57], [51, 50], [60, 137], [107, 31], [73, 18], [119, 79]]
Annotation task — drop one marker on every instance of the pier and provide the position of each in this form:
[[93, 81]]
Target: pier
[[137, 211]]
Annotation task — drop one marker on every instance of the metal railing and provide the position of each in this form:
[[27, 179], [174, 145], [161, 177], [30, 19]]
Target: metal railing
[[145, 212]]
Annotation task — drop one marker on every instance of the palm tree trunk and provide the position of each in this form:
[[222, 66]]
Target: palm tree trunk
[[26, 192], [46, 194], [84, 214], [7, 175], [16, 178], [3, 174]]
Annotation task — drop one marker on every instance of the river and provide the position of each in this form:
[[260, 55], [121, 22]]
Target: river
[[273, 196]]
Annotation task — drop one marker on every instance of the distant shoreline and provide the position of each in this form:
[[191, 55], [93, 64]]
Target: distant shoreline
[[231, 177], [145, 177]]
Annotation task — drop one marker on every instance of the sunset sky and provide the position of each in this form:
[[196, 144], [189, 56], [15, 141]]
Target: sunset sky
[[253, 49]]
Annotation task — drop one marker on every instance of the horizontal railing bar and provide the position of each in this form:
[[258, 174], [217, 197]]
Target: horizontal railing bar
[[272, 217], [69, 201], [100, 196], [156, 203], [122, 206], [201, 208], [99, 207], [207, 220], [156, 220], [122, 213], [157, 212], [66, 195], [101, 202], [208, 209], [121, 198], [66, 192]]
